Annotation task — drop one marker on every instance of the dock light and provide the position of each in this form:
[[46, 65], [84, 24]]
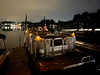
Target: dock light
[[38, 38], [60, 32], [30, 34], [26, 31], [73, 34]]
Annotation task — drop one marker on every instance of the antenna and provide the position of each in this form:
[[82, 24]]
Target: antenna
[[26, 20], [44, 19]]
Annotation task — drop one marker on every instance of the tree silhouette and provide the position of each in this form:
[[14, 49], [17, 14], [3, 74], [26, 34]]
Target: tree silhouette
[[98, 18], [92, 20], [85, 19], [77, 18]]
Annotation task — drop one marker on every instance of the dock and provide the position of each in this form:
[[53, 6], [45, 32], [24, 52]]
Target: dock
[[18, 63]]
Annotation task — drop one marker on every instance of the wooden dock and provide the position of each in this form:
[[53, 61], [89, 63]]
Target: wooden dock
[[18, 63]]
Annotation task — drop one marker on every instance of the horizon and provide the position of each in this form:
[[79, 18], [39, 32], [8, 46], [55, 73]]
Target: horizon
[[47, 18]]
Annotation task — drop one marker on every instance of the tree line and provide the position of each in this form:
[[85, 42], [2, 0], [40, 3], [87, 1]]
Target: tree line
[[89, 20], [84, 20]]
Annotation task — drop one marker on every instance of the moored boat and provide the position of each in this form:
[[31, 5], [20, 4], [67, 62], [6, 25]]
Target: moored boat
[[3, 52], [56, 52]]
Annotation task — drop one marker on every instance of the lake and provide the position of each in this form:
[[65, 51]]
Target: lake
[[12, 38]]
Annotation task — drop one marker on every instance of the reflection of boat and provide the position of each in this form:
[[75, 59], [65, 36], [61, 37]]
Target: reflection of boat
[[57, 54]]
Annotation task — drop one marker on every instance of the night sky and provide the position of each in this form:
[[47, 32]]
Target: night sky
[[15, 10]]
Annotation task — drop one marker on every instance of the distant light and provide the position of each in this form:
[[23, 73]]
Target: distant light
[[5, 27], [7, 20], [97, 29], [18, 25], [8, 27]]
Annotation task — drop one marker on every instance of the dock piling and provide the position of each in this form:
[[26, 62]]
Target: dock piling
[[19, 40]]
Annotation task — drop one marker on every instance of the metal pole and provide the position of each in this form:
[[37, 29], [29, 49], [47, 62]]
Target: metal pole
[[52, 47], [19, 40], [4, 45], [62, 46]]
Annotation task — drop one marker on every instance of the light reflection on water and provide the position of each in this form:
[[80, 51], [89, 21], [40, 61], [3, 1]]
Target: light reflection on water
[[12, 38]]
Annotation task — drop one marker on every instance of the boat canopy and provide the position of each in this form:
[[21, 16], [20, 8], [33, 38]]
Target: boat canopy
[[3, 36]]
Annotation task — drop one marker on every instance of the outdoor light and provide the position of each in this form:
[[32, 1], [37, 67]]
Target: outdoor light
[[72, 34], [30, 34], [38, 38], [60, 32], [26, 31]]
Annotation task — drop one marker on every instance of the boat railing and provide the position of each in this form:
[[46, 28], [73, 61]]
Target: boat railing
[[53, 49], [46, 46], [3, 57], [86, 57], [40, 64], [62, 45]]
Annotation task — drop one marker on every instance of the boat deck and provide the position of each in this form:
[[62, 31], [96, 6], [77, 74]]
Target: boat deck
[[61, 61], [20, 64]]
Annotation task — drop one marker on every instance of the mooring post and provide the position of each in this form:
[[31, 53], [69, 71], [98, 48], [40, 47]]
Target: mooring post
[[19, 40]]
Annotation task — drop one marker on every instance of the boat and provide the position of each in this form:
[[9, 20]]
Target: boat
[[3, 52], [56, 54]]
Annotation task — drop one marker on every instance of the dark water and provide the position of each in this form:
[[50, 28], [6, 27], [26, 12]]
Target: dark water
[[12, 38]]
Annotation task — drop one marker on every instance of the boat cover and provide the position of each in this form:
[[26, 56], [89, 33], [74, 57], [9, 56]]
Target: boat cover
[[2, 36]]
